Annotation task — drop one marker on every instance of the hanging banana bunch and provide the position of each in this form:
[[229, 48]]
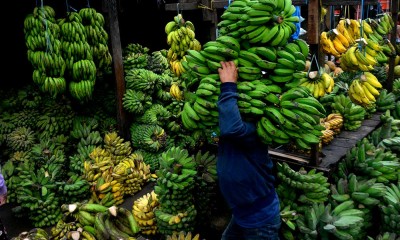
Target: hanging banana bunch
[[77, 53], [318, 82], [180, 38], [41, 38], [358, 58], [97, 37]]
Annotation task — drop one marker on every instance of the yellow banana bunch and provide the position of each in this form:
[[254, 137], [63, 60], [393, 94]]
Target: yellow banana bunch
[[344, 28], [355, 59], [180, 38], [339, 41], [365, 89], [366, 27], [320, 84], [328, 46], [143, 211], [176, 92]]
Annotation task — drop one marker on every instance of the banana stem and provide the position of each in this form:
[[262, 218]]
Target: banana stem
[[278, 19]]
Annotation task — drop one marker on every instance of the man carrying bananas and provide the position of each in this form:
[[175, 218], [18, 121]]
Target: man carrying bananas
[[244, 169]]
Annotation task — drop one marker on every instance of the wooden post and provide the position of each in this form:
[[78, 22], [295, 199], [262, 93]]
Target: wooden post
[[116, 52], [394, 10]]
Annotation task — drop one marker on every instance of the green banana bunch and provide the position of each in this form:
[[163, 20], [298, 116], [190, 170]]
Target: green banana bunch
[[391, 208], [386, 100]]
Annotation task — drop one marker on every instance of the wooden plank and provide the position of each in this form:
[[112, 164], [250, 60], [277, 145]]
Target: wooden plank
[[277, 154], [332, 155], [362, 132], [116, 51], [348, 2], [181, 6], [313, 22], [193, 5], [341, 142]]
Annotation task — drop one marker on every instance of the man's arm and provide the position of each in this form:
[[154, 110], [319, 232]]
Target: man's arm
[[230, 120]]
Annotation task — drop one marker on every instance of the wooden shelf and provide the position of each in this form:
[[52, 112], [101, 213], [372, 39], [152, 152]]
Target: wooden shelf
[[194, 5], [334, 151]]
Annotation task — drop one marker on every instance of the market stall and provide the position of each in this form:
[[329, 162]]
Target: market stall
[[109, 139]]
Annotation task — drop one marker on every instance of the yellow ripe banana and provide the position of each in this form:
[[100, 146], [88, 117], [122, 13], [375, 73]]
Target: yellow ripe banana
[[332, 84], [315, 89], [366, 27], [355, 26], [371, 89], [353, 94], [342, 28], [334, 52], [321, 88], [338, 45], [351, 55], [345, 42], [326, 80], [360, 91], [371, 79], [370, 51], [372, 61], [369, 95]]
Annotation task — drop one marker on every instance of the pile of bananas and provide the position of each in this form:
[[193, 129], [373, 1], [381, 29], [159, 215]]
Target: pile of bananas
[[44, 50], [97, 38], [37, 193], [318, 82], [95, 221], [78, 56], [206, 187], [296, 119], [364, 89], [174, 186], [207, 60], [267, 22], [180, 38], [134, 56], [34, 233], [143, 211], [114, 171], [149, 137], [74, 189], [289, 218], [344, 221], [386, 100], [336, 41], [390, 208], [158, 62], [353, 114], [182, 235], [333, 124], [176, 92], [385, 236], [367, 160], [310, 187], [202, 113], [366, 194], [134, 173]]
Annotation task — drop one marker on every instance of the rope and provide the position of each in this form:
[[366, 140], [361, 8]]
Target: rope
[[360, 43], [229, 3], [88, 3], [47, 34], [211, 8], [314, 58], [332, 17]]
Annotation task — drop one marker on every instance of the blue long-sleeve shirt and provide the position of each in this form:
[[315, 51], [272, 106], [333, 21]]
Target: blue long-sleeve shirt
[[244, 166]]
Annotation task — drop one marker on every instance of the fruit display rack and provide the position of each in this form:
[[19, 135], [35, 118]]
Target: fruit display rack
[[327, 156]]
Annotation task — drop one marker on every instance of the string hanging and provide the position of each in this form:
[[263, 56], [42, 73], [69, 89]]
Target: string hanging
[[88, 3]]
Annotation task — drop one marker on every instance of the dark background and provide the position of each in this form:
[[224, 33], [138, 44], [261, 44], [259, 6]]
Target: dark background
[[140, 21]]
